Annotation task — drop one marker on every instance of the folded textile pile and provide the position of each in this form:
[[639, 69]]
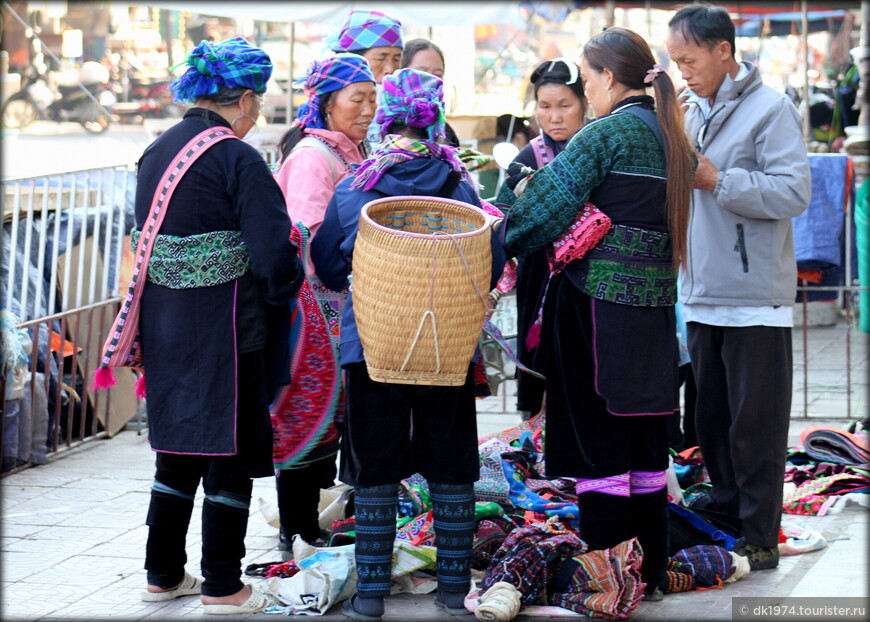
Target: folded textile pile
[[838, 446], [531, 556], [601, 584]]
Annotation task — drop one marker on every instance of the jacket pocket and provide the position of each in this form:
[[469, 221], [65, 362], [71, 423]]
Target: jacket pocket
[[740, 247]]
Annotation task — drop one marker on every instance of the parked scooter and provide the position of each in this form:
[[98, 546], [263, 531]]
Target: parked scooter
[[149, 98], [84, 100]]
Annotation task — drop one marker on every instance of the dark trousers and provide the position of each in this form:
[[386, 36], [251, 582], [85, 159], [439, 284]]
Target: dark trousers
[[744, 379], [681, 425], [226, 481], [299, 497], [224, 522]]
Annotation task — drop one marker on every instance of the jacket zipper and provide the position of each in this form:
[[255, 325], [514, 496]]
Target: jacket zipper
[[741, 246]]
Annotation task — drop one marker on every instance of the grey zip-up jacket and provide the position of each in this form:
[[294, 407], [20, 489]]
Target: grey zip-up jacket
[[741, 243]]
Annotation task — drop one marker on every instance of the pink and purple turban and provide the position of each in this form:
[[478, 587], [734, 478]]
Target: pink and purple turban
[[366, 29], [327, 75], [413, 98]]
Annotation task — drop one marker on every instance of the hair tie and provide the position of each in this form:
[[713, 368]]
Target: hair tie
[[652, 73]]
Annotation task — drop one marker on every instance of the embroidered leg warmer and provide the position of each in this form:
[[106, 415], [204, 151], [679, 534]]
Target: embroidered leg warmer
[[453, 510], [375, 532]]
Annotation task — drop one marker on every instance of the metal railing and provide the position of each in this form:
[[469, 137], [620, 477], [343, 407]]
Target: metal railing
[[62, 251]]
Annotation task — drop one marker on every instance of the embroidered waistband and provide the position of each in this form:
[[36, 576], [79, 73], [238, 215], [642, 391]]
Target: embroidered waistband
[[201, 260], [632, 266]]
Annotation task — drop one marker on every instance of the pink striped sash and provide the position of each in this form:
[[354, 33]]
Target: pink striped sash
[[122, 348]]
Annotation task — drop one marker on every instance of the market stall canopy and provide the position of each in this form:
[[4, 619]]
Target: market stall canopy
[[409, 13], [780, 24]]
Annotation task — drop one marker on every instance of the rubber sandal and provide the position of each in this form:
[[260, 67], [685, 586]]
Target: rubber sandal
[[454, 611], [256, 602], [189, 586], [348, 610]]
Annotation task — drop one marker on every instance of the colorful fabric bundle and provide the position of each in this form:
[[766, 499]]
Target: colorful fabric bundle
[[396, 148], [415, 99], [584, 233], [602, 584], [839, 446], [363, 30], [488, 537], [518, 468], [325, 76], [474, 160], [531, 556], [698, 567], [815, 496], [232, 64]]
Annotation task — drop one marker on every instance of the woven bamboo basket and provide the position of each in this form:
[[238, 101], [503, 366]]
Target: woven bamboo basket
[[421, 272]]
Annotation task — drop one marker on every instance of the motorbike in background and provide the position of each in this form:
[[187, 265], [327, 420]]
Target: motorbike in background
[[80, 97]]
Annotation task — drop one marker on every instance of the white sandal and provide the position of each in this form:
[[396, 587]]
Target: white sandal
[[500, 603], [256, 602], [189, 586]]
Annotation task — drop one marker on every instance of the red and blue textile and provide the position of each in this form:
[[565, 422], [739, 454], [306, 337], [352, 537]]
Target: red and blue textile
[[325, 76], [233, 63], [304, 412], [604, 584], [363, 30], [530, 557]]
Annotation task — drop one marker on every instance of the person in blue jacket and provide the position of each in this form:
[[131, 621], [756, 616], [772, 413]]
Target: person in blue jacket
[[392, 431]]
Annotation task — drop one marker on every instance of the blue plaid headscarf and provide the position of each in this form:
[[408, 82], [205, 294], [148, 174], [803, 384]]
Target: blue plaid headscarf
[[366, 29], [233, 63], [327, 75], [414, 98]]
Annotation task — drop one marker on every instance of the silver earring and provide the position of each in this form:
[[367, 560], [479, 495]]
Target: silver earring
[[610, 95]]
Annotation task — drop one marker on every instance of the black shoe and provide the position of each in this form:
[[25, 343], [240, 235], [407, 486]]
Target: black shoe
[[760, 557], [454, 611], [348, 610]]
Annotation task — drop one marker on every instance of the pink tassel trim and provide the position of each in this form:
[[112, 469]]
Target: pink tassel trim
[[533, 338], [104, 378], [140, 387]]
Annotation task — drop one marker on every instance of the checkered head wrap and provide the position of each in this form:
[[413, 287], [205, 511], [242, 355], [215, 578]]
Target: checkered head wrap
[[366, 29], [413, 98], [233, 63], [327, 75]]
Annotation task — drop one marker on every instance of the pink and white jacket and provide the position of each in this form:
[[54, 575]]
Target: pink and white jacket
[[307, 180]]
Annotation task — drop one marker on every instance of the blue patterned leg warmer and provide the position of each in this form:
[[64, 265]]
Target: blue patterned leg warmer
[[453, 506], [375, 532]]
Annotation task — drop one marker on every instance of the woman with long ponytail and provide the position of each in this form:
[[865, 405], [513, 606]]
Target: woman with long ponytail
[[608, 325]]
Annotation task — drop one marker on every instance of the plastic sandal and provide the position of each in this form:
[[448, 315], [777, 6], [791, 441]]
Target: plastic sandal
[[256, 602], [189, 586]]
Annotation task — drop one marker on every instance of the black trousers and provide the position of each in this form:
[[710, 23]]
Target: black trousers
[[744, 380], [226, 481], [298, 498], [392, 431], [585, 440]]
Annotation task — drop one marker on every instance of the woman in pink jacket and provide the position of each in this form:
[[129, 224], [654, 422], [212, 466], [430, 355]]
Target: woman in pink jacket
[[317, 153]]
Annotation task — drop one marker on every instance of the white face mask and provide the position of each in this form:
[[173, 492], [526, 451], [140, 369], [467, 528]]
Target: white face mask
[[251, 132]]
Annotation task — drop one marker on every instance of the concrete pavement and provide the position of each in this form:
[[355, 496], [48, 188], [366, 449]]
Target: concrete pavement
[[73, 536]]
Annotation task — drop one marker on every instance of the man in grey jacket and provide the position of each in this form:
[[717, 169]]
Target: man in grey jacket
[[739, 283]]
